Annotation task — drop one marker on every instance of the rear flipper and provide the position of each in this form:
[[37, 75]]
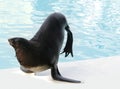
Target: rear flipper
[[57, 76], [68, 47]]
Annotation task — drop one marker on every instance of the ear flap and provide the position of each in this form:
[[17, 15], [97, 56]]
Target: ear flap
[[68, 48]]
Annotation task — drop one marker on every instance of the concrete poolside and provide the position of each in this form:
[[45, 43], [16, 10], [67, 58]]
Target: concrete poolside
[[101, 73]]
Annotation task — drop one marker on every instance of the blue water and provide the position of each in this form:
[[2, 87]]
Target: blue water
[[95, 25]]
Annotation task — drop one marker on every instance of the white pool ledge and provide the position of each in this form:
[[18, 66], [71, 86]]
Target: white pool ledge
[[102, 73]]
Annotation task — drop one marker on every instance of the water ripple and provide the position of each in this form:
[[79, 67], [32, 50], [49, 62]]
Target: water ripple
[[94, 23]]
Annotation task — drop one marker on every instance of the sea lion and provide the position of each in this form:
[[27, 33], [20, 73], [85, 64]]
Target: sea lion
[[42, 51]]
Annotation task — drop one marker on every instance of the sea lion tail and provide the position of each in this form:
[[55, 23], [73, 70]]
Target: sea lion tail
[[68, 47]]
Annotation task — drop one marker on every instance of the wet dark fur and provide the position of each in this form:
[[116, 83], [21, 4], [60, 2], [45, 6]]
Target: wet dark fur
[[44, 48]]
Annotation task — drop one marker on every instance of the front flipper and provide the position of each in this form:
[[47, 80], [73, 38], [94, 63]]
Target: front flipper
[[57, 76]]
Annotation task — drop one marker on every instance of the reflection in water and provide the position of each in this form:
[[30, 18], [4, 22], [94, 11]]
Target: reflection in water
[[94, 23]]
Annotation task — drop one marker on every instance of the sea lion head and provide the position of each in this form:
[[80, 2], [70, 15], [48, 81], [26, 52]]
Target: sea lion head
[[18, 42]]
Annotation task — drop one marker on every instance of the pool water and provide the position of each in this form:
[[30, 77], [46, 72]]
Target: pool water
[[95, 25]]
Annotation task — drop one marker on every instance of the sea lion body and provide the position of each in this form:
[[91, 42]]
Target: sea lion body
[[42, 51], [50, 36]]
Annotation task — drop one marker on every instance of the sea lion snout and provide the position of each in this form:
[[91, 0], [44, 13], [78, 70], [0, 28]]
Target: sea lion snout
[[11, 41]]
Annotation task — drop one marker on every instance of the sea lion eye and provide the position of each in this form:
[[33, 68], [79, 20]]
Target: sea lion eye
[[15, 41]]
